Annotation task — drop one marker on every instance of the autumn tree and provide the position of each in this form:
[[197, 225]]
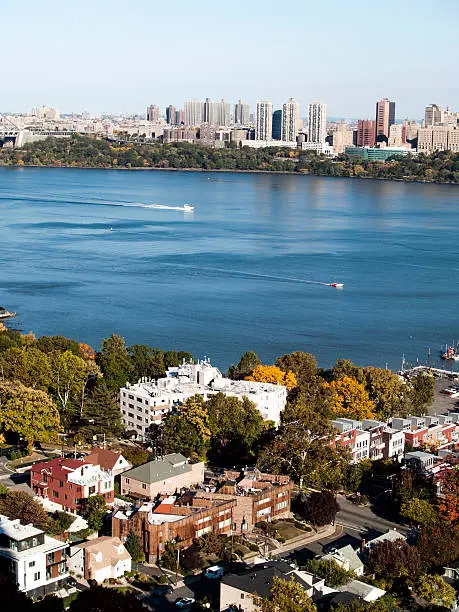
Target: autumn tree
[[247, 364], [69, 375], [419, 511], [285, 596], [146, 361], [273, 374], [27, 413], [50, 344], [303, 366], [115, 363], [20, 505], [187, 430], [449, 501], [435, 591], [318, 508], [438, 545], [345, 367], [28, 365], [386, 391], [350, 399], [394, 559], [86, 351], [235, 426]]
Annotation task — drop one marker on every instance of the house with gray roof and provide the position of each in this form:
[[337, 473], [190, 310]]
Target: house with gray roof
[[162, 476]]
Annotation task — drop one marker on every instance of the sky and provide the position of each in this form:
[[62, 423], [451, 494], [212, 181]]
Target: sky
[[113, 56]]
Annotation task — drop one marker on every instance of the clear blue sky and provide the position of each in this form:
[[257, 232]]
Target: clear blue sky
[[119, 56]]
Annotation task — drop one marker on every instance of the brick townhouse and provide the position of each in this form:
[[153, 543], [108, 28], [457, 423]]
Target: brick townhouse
[[67, 482]]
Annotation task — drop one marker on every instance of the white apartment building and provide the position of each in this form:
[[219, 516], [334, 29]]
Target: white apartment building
[[216, 113], [147, 402], [321, 148], [35, 561], [317, 122], [264, 127], [241, 113], [290, 120], [193, 113]]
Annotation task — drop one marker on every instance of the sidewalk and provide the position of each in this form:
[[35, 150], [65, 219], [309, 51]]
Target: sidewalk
[[303, 540]]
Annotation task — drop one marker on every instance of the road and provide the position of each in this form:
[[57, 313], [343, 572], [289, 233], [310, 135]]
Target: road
[[362, 519]]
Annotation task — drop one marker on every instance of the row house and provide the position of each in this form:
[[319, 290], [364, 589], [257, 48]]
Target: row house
[[32, 560], [67, 482], [172, 519], [441, 431], [352, 438], [368, 439]]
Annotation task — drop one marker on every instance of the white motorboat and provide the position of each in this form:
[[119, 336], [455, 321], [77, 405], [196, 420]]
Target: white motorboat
[[6, 314], [188, 208], [337, 285]]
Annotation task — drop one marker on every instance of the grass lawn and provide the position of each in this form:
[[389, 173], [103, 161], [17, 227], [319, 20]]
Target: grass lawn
[[288, 530]]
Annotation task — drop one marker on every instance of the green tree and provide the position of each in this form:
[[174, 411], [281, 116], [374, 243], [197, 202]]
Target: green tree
[[422, 393], [247, 364], [115, 362], [60, 523], [50, 344], [330, 571], [101, 413], [69, 374], [235, 427], [286, 596], [318, 508], [345, 367], [94, 509], [434, 590], [135, 455], [419, 511], [146, 361], [28, 365], [20, 505], [134, 549], [303, 365], [187, 430], [394, 559], [356, 473], [27, 413], [387, 391]]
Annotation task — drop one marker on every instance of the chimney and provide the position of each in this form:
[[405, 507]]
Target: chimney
[[362, 545]]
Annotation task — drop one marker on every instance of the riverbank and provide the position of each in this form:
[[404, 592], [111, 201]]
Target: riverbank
[[234, 171]]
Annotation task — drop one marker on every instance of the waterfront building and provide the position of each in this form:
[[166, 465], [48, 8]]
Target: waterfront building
[[385, 117], [240, 135], [68, 482], [216, 113], [376, 154], [241, 113], [321, 148], [180, 134], [171, 114], [34, 561], [366, 133], [148, 401], [342, 138], [277, 125], [193, 113], [290, 120], [264, 120], [397, 135], [317, 122], [432, 139], [153, 113]]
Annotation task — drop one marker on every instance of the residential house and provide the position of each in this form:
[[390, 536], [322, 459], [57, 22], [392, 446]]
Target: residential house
[[347, 558], [67, 482], [110, 461], [365, 591], [352, 438], [35, 561], [237, 590], [420, 461], [99, 559], [163, 476], [172, 519]]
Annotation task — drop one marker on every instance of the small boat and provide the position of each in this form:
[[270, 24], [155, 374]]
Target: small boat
[[336, 285], [450, 354], [188, 208], [6, 314]]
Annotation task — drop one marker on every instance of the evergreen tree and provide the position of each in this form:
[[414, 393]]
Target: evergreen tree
[[101, 413], [115, 363], [134, 549]]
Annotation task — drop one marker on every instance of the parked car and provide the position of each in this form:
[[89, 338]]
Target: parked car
[[214, 572], [163, 589], [184, 602]]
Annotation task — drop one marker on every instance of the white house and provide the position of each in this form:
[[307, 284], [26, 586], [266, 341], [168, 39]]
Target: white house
[[35, 561], [100, 559]]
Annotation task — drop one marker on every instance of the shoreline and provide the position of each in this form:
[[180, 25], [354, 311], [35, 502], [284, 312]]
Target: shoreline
[[236, 171]]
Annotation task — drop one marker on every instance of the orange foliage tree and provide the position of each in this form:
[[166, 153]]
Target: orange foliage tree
[[87, 352], [449, 502], [273, 374], [350, 399]]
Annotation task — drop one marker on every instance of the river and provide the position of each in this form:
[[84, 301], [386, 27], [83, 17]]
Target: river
[[85, 253]]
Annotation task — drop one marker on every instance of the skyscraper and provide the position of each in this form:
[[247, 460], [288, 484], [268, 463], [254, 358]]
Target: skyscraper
[[264, 120], [385, 117], [290, 120], [277, 125], [433, 115], [366, 133], [193, 112], [317, 122], [153, 113], [241, 113], [216, 113], [170, 114]]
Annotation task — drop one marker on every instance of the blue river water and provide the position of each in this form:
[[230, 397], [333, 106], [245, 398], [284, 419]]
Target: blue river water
[[85, 253]]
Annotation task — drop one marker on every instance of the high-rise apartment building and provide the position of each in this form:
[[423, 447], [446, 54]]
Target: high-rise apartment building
[[366, 133], [170, 114], [241, 113], [397, 135], [153, 113], [193, 113], [264, 128], [290, 120], [342, 137], [433, 115], [317, 122], [277, 125], [179, 117], [216, 113], [385, 117]]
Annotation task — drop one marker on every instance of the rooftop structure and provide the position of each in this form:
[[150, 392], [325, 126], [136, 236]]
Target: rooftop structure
[[109, 461]]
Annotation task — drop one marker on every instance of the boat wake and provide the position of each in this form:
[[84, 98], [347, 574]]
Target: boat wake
[[255, 275]]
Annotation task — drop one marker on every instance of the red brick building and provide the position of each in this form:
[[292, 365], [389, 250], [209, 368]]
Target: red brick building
[[66, 482]]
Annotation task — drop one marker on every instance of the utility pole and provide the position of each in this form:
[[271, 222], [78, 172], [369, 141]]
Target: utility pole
[[177, 566]]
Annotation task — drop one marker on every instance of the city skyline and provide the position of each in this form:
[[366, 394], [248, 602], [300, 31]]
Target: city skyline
[[99, 65]]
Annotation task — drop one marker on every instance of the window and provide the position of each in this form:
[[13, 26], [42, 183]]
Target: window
[[61, 483], [127, 480], [92, 490], [131, 396], [36, 576], [55, 494], [32, 564], [144, 486]]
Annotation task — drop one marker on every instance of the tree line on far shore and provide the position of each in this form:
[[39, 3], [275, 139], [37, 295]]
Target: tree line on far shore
[[83, 151]]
